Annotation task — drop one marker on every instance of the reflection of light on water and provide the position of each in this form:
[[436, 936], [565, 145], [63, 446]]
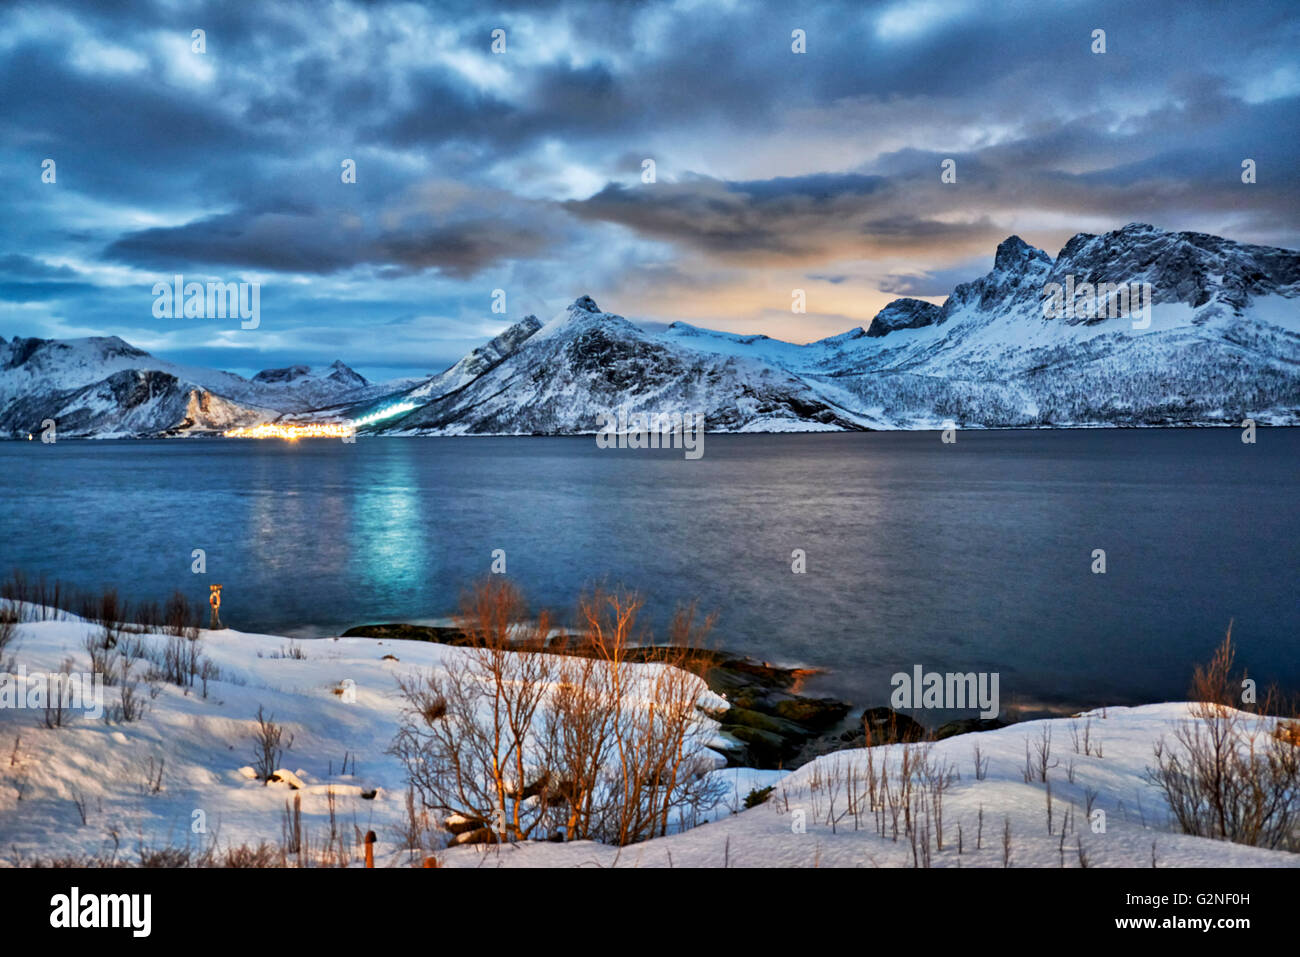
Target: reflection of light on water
[[297, 534], [389, 553]]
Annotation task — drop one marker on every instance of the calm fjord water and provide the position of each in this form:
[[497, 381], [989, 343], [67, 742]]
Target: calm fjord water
[[974, 556]]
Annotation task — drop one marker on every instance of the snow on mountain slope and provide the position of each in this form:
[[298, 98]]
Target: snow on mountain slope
[[130, 403], [1201, 286], [1222, 343], [788, 355], [102, 386], [585, 361], [477, 362], [304, 386]]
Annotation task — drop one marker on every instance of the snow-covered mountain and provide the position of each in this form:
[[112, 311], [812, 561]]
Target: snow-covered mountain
[[105, 387], [475, 363], [1222, 342], [1209, 336], [559, 377]]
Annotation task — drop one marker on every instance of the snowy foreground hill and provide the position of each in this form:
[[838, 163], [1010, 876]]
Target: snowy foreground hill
[[107, 789], [1206, 332]]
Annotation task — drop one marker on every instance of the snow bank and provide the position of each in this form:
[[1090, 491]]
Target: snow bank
[[182, 776]]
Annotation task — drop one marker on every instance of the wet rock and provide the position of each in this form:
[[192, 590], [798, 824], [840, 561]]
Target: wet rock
[[966, 726]]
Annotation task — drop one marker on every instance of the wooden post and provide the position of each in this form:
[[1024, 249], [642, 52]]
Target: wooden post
[[370, 848]]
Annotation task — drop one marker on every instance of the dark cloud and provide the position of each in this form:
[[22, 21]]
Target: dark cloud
[[297, 239], [16, 264], [788, 216], [523, 170], [812, 218], [270, 240]]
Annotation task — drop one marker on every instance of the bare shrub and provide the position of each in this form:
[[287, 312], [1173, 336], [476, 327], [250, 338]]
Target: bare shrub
[[59, 695], [208, 671], [152, 782], [513, 745], [1230, 775], [269, 745], [8, 631], [465, 738], [80, 803], [99, 647], [168, 858], [42, 600], [131, 706], [1043, 751], [416, 831], [179, 617], [291, 826], [147, 616], [181, 661], [1212, 683], [1082, 741], [656, 760], [108, 611], [261, 855]]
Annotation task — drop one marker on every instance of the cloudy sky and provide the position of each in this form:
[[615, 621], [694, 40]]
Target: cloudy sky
[[522, 170]]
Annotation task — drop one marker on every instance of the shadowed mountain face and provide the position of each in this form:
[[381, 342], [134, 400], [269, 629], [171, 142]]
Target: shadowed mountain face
[[904, 314], [1208, 333], [586, 361]]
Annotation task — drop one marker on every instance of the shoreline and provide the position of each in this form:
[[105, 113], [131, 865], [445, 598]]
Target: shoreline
[[1081, 427], [774, 724]]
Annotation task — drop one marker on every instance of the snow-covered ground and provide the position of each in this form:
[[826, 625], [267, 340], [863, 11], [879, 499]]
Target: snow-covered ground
[[200, 749], [792, 828]]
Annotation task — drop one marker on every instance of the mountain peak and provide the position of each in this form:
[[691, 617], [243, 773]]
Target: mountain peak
[[585, 304], [1014, 253], [285, 374], [906, 314], [341, 372]]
